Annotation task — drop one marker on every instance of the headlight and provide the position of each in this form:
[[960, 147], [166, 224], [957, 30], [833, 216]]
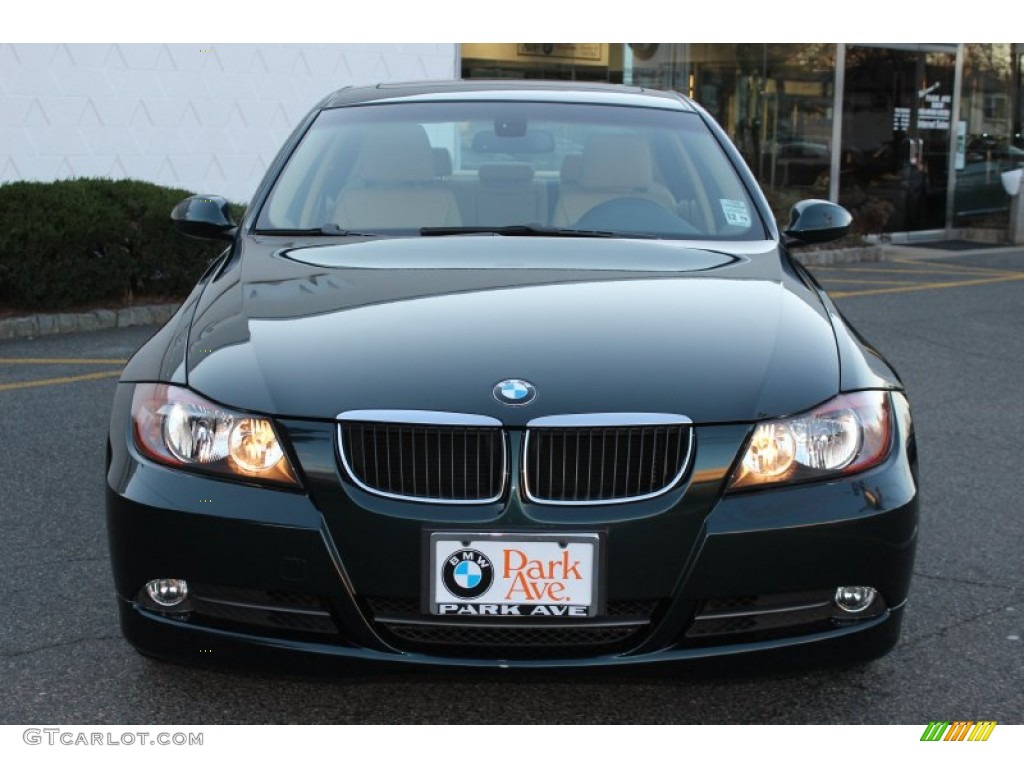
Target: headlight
[[177, 427], [848, 434]]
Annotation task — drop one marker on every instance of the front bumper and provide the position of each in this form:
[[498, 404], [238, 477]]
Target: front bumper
[[334, 572]]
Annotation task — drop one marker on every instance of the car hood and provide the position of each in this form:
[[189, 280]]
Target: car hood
[[434, 323]]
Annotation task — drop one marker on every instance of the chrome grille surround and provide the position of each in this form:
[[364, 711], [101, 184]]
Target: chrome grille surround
[[648, 429], [446, 428]]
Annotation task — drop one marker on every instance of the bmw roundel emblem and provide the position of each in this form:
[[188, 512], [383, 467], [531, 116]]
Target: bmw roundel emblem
[[468, 573], [514, 392]]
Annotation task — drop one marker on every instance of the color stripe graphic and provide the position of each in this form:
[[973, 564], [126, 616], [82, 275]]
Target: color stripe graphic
[[959, 730]]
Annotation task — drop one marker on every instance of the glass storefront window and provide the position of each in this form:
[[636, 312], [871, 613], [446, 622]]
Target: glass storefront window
[[986, 141], [776, 102], [598, 62], [897, 108]]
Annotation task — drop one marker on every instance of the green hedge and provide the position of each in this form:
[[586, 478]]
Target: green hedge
[[86, 241]]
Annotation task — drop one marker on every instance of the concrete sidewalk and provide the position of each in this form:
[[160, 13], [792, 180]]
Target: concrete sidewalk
[[918, 251], [46, 324]]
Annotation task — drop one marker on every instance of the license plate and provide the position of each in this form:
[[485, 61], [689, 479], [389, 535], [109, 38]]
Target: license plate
[[540, 576]]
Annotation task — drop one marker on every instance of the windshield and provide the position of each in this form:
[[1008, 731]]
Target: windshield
[[445, 168]]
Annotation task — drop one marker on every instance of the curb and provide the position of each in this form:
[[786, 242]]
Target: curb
[[861, 254], [31, 326]]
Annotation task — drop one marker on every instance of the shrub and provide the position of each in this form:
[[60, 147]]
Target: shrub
[[872, 216], [87, 241]]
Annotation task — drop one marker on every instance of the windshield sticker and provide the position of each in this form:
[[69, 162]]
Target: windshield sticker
[[736, 212]]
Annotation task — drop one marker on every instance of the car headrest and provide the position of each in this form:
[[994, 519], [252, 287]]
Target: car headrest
[[572, 169], [442, 161], [506, 172], [616, 161], [396, 153]]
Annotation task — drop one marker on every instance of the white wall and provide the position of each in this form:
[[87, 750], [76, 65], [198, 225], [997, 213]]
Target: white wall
[[205, 119]]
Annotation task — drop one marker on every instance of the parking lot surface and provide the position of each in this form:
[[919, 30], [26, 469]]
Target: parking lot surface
[[953, 326]]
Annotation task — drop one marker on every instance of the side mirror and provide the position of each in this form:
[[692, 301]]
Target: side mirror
[[206, 217], [817, 221]]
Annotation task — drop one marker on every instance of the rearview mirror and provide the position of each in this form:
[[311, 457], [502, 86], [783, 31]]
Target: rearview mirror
[[817, 221], [510, 143], [206, 217]]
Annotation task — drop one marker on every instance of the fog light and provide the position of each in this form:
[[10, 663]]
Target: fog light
[[854, 599], [167, 593]]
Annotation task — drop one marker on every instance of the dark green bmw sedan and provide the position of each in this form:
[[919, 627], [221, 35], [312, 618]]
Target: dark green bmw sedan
[[510, 374]]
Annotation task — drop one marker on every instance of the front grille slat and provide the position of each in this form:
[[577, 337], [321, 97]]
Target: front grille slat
[[576, 481], [438, 463], [615, 466], [604, 464], [551, 460], [628, 440], [665, 469], [376, 456], [565, 453], [590, 467], [427, 465]]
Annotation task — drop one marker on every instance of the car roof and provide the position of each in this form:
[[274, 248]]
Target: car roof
[[509, 90]]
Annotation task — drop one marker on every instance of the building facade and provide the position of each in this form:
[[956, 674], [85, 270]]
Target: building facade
[[206, 119], [911, 138]]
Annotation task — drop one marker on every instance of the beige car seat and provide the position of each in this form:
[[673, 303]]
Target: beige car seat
[[612, 166], [509, 194], [393, 184]]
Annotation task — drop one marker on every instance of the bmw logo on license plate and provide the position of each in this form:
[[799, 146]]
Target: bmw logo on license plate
[[514, 392]]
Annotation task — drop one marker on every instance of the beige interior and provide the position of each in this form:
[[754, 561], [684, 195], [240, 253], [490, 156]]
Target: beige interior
[[393, 184], [612, 166]]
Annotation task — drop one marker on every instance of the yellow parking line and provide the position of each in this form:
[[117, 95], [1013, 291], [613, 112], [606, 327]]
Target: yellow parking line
[[927, 286], [965, 268], [59, 361], [61, 380], [951, 273], [867, 282]]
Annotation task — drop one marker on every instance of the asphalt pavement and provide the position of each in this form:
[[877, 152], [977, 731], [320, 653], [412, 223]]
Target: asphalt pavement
[[953, 326]]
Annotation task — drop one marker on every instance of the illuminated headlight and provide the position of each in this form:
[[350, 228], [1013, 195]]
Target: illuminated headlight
[[848, 434], [175, 426]]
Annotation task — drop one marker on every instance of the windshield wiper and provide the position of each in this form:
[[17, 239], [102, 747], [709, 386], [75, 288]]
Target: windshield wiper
[[327, 229], [526, 230]]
